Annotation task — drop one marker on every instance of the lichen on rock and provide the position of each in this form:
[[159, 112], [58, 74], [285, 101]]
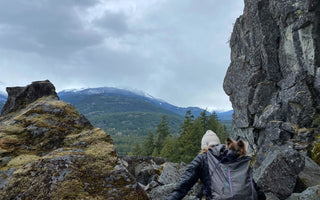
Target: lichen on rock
[[273, 84], [49, 151]]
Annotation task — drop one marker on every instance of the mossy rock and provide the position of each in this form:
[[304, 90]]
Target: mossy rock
[[315, 153], [55, 155]]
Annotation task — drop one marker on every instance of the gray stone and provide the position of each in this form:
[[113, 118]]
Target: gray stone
[[273, 82], [171, 173], [278, 172], [19, 97], [310, 175], [312, 193], [270, 196], [4, 177], [161, 192]]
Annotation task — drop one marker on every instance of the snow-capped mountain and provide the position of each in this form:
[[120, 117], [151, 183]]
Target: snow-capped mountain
[[111, 91]]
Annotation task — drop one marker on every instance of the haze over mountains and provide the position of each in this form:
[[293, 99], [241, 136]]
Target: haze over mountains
[[127, 112], [109, 91]]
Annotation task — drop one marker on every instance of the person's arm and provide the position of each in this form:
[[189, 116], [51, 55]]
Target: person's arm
[[188, 179]]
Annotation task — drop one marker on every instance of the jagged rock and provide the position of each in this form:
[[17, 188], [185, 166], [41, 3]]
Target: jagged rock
[[161, 192], [273, 82], [312, 193], [19, 97], [171, 172], [49, 151], [310, 175], [157, 176], [278, 172], [274, 48]]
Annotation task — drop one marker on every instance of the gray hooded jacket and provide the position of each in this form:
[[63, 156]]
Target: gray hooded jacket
[[199, 169]]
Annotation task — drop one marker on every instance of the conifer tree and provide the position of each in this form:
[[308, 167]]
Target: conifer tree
[[155, 152], [170, 150], [149, 145], [204, 119], [162, 132], [137, 150]]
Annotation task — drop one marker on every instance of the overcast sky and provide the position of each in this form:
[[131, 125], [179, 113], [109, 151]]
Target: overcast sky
[[175, 50]]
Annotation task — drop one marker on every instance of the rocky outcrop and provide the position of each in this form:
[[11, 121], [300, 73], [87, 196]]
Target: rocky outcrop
[[158, 177], [19, 97], [49, 151], [274, 84]]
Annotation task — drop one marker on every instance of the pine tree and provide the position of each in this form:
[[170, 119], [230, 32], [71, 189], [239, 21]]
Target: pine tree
[[137, 150], [170, 150], [162, 132], [155, 152], [204, 119], [149, 145]]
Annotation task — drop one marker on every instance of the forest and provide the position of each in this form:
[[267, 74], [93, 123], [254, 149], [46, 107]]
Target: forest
[[184, 146]]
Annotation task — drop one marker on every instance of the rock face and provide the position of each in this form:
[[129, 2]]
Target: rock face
[[19, 97], [274, 83], [49, 151]]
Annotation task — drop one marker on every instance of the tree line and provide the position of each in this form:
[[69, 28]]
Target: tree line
[[187, 144]]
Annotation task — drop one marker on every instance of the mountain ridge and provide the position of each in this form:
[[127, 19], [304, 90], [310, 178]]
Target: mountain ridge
[[143, 96]]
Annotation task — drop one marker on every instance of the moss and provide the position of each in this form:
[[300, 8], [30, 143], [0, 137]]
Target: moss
[[70, 189], [266, 108], [302, 130], [315, 153], [316, 121], [87, 136], [13, 129], [301, 92], [9, 142], [22, 160]]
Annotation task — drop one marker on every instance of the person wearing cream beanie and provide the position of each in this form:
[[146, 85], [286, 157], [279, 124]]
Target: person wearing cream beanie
[[209, 139]]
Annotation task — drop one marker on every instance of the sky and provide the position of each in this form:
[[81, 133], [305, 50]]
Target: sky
[[175, 50]]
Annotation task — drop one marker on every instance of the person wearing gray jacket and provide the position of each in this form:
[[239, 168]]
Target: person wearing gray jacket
[[199, 169]]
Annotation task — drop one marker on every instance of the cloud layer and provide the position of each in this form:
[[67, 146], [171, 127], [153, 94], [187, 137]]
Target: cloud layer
[[176, 50]]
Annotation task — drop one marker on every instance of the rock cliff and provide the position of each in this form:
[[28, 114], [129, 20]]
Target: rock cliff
[[273, 82], [49, 151]]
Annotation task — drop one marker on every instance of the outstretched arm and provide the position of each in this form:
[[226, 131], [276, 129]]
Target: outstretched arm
[[188, 179]]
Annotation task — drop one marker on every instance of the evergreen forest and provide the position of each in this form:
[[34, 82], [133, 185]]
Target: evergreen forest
[[184, 146]]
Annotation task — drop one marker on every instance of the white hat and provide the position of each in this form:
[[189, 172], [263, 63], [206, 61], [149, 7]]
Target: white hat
[[209, 139]]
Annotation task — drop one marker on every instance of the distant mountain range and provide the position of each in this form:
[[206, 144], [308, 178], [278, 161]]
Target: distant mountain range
[[81, 97], [109, 107], [109, 91], [127, 115]]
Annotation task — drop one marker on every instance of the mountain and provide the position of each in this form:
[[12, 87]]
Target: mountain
[[3, 99], [225, 115], [110, 91], [120, 111]]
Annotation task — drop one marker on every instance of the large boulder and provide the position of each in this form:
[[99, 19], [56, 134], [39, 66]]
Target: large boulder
[[310, 175], [49, 151], [274, 70], [312, 193], [19, 97], [158, 177], [273, 82], [278, 172]]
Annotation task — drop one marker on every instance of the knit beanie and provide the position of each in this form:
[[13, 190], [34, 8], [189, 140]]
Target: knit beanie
[[209, 138]]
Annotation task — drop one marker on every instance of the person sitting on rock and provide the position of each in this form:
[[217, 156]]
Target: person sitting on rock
[[212, 158]]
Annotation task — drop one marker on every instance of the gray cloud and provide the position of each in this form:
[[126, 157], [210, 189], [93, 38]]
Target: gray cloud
[[173, 49]]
